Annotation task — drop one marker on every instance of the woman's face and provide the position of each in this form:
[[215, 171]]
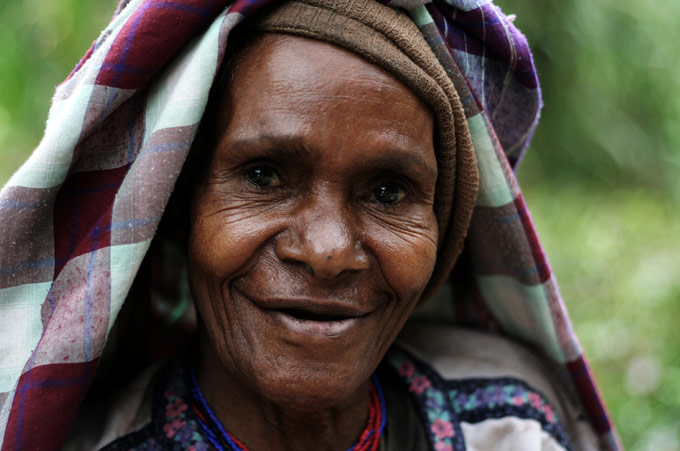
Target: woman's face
[[313, 233]]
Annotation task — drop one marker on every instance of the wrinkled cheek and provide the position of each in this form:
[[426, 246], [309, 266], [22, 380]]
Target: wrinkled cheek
[[421, 272], [417, 274], [209, 267], [222, 251], [209, 248], [205, 287], [412, 262], [408, 270], [408, 274]]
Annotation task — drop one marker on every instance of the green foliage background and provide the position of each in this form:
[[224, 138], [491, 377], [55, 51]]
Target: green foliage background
[[601, 176], [601, 179]]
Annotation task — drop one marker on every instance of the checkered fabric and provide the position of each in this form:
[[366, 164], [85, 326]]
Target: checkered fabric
[[78, 217]]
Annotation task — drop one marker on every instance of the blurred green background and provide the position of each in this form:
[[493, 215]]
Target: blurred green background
[[602, 179], [601, 176]]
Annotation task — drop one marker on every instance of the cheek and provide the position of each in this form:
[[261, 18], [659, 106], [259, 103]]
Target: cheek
[[406, 252], [214, 251], [224, 239], [225, 236]]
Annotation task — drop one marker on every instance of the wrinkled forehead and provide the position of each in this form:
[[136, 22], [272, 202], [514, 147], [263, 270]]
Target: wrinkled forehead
[[314, 76], [268, 54]]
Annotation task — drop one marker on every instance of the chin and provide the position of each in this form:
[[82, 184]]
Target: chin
[[314, 387]]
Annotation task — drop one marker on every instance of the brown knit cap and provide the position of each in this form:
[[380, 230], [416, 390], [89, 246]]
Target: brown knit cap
[[389, 39]]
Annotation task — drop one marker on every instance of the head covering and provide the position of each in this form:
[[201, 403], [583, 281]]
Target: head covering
[[79, 216]]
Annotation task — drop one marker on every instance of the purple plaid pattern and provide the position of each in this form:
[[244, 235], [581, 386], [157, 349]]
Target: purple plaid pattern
[[486, 46], [132, 60], [78, 218]]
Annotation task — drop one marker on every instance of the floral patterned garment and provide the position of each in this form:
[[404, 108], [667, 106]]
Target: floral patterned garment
[[441, 405], [445, 404]]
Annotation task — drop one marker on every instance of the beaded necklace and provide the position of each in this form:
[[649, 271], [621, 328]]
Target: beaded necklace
[[222, 440]]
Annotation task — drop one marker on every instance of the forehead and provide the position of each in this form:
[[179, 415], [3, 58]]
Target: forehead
[[290, 64], [271, 54], [291, 87]]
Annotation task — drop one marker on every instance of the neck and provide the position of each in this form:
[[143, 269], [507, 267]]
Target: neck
[[261, 423]]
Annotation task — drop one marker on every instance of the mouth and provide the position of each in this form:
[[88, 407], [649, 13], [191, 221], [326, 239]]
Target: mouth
[[324, 318], [309, 324]]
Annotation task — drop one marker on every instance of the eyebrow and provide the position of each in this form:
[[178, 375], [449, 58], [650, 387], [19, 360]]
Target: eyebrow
[[398, 160], [276, 146]]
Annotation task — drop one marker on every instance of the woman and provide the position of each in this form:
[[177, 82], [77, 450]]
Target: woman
[[331, 186]]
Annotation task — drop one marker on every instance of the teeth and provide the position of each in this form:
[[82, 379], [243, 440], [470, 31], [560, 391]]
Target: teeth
[[306, 315]]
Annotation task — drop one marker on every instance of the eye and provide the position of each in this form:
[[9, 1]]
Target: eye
[[263, 176], [388, 193]]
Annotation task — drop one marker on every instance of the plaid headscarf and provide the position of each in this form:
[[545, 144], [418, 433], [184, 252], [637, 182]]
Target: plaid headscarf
[[78, 218]]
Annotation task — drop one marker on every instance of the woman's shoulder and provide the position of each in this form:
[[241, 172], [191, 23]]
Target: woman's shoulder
[[487, 389]]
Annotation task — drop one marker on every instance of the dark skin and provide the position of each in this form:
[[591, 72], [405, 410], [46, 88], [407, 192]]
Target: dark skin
[[312, 238]]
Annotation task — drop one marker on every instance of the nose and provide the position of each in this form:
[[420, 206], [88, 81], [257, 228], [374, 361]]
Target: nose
[[324, 238]]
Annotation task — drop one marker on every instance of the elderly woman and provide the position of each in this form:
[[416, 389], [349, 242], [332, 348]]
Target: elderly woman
[[342, 158]]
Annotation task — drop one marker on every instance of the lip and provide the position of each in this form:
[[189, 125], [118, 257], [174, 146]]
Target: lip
[[317, 307], [328, 329], [310, 316]]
